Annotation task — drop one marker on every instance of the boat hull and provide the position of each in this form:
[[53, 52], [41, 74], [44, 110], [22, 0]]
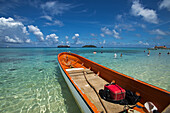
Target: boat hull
[[148, 92], [79, 99]]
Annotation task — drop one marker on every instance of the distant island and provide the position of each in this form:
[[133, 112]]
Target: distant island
[[89, 46], [158, 47], [63, 46]]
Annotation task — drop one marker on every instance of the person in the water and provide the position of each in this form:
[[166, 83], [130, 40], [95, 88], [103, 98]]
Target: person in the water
[[115, 55]]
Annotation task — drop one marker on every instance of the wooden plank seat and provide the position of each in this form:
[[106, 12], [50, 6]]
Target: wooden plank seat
[[79, 76]]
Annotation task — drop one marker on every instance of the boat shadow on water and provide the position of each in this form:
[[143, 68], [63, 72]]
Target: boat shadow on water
[[69, 100]]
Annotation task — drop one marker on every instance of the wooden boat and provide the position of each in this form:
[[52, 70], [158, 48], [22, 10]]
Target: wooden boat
[[85, 78]]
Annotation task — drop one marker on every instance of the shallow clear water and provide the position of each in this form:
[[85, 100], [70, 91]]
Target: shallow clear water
[[30, 79]]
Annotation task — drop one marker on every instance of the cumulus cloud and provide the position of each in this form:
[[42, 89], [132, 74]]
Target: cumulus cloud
[[11, 40], [142, 43], [12, 31], [67, 42], [158, 32], [36, 31], [52, 38], [148, 15], [28, 41], [77, 35], [107, 31], [76, 39], [9, 22], [55, 7], [165, 4]]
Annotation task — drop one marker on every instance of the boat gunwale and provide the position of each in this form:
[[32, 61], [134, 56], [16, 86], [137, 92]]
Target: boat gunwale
[[158, 88]]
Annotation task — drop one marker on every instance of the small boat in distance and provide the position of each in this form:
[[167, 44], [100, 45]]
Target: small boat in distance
[[85, 78]]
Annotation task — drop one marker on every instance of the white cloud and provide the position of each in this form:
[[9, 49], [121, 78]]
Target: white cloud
[[76, 39], [47, 17], [142, 25], [55, 22], [66, 37], [77, 35], [78, 42], [13, 40], [116, 34], [53, 38], [102, 35], [36, 31], [104, 41], [12, 31], [158, 32], [55, 7], [10, 22], [107, 31], [67, 42], [8, 39], [119, 17], [148, 15], [92, 34], [131, 26], [52, 22], [28, 41], [142, 43], [25, 31], [58, 22], [23, 19], [165, 4]]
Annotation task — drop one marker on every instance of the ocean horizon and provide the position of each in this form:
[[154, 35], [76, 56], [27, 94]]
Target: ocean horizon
[[31, 81]]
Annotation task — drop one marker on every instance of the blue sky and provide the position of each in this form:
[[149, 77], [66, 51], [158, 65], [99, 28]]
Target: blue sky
[[108, 23]]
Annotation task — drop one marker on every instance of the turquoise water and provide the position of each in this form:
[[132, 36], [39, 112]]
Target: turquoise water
[[31, 82]]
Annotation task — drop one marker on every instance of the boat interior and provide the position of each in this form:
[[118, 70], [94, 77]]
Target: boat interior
[[90, 83], [89, 79]]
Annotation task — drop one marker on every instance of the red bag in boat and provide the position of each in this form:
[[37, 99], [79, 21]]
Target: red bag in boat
[[116, 93]]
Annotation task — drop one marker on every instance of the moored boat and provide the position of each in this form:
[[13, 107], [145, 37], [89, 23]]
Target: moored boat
[[85, 78]]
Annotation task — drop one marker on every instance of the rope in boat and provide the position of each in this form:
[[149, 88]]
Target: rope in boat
[[95, 91]]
